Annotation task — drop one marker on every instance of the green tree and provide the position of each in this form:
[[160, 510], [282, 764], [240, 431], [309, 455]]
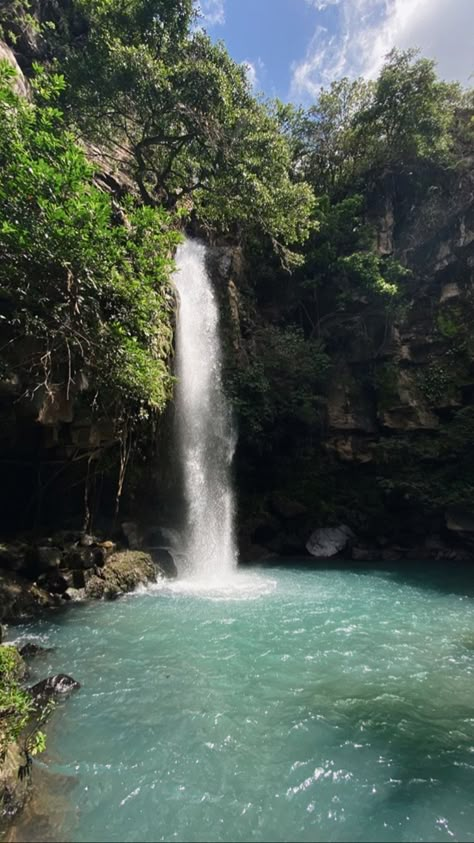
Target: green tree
[[85, 295], [411, 112], [332, 148], [171, 108]]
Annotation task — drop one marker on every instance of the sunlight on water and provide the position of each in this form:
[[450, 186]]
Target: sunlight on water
[[282, 705]]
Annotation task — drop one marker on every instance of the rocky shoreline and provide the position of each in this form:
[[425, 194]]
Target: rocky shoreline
[[48, 573]]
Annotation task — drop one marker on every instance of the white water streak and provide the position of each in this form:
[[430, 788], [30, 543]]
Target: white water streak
[[206, 435]]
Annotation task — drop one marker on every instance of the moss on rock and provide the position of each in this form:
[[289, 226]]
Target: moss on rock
[[123, 572]]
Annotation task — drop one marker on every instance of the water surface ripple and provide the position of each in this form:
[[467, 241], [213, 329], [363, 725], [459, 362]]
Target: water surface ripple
[[301, 705]]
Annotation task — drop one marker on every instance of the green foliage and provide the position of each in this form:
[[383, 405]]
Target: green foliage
[[15, 19], [85, 282], [407, 114], [411, 112], [449, 324], [372, 273], [178, 113], [277, 390], [435, 470], [15, 704], [436, 383], [331, 147]]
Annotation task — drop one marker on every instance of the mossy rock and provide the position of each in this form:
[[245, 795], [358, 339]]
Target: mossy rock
[[123, 572]]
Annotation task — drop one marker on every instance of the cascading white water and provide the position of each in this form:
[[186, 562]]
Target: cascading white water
[[206, 434]]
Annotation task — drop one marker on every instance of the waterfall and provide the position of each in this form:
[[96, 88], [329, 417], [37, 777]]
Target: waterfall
[[206, 437]]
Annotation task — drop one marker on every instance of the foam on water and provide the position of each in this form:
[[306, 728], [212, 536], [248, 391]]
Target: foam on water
[[236, 586]]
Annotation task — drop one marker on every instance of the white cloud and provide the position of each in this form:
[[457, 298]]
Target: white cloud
[[254, 71], [213, 11], [320, 5], [368, 29]]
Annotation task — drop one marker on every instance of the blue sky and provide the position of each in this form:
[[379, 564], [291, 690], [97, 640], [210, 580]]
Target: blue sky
[[292, 47]]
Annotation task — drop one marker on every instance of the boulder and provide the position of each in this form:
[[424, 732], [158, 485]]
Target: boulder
[[53, 581], [54, 687], [21, 599], [84, 557], [123, 572], [75, 594], [97, 588], [327, 542]]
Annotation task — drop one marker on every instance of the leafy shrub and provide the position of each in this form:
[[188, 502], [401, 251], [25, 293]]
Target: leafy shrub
[[16, 705], [85, 291]]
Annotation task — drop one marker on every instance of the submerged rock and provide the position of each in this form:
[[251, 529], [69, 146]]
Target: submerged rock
[[329, 541], [57, 686], [30, 650]]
